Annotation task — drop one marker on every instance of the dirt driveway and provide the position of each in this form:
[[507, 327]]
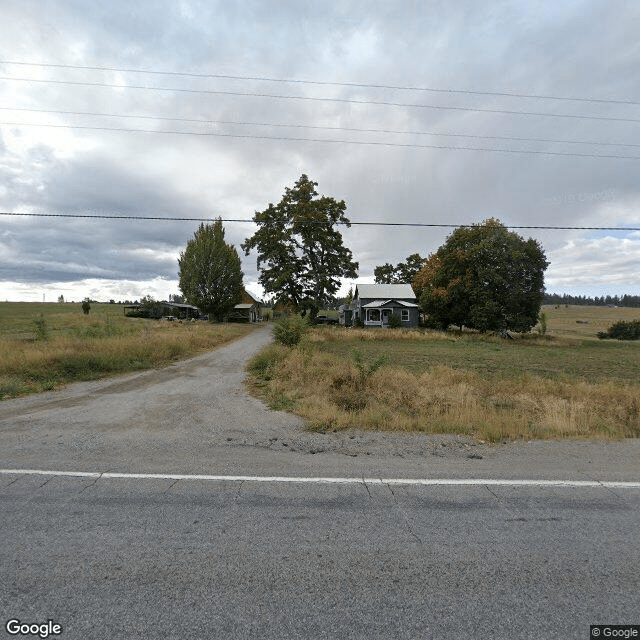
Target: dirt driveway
[[197, 417]]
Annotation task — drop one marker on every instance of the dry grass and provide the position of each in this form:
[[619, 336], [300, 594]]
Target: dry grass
[[89, 347], [576, 321], [495, 389], [330, 393], [353, 334]]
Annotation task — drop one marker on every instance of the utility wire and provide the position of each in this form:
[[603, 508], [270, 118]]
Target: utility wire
[[323, 99], [348, 224], [326, 83], [356, 142], [317, 127]]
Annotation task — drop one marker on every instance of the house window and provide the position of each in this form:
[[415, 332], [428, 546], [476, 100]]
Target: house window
[[404, 315], [373, 315]]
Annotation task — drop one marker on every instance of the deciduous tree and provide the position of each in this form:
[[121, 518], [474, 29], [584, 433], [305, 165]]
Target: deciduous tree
[[210, 271], [301, 255], [424, 277], [487, 278]]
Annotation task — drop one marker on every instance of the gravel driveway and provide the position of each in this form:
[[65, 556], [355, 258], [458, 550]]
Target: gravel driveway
[[196, 416]]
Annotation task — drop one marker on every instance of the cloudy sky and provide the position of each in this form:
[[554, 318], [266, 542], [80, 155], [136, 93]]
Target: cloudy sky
[[430, 111]]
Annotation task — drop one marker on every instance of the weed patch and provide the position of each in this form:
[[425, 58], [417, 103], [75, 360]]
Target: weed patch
[[264, 364]]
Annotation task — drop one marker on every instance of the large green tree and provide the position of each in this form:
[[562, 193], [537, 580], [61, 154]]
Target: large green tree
[[485, 277], [210, 271], [301, 255]]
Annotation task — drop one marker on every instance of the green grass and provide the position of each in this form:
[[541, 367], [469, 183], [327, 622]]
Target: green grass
[[16, 318], [495, 358]]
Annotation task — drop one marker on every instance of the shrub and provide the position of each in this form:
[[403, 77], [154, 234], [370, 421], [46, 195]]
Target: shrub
[[289, 331], [623, 330], [40, 328], [395, 322], [353, 392], [542, 327], [86, 307], [367, 369]]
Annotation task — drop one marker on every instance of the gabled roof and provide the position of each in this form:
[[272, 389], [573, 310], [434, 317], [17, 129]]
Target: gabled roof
[[384, 291], [381, 303], [249, 298], [178, 305]]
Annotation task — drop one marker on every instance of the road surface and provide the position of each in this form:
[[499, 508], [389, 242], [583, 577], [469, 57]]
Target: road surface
[[171, 504]]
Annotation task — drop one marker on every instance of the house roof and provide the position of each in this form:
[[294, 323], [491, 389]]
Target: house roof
[[384, 291], [178, 305], [248, 294], [381, 303]]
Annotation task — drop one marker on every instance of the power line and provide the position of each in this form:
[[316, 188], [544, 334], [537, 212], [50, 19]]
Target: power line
[[351, 223], [317, 127], [326, 83], [355, 142], [323, 99]]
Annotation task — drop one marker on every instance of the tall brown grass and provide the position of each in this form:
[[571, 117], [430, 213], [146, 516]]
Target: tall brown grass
[[331, 394], [93, 348], [353, 334]]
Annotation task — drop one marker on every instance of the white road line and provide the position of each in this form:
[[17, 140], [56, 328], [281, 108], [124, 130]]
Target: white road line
[[320, 480]]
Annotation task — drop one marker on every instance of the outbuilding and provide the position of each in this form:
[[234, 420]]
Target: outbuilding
[[249, 310]]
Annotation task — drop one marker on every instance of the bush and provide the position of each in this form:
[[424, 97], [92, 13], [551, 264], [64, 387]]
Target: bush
[[367, 369], [542, 327], [289, 331], [352, 393], [623, 330], [395, 322], [40, 328]]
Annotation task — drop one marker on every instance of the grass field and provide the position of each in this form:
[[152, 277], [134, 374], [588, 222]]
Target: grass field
[[576, 321], [564, 384], [71, 346]]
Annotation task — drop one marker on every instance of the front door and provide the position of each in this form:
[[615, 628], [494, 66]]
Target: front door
[[385, 316]]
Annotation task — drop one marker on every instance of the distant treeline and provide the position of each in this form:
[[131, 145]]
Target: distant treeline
[[604, 301]]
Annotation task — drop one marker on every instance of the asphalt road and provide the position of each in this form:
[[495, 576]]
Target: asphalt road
[[132, 557]]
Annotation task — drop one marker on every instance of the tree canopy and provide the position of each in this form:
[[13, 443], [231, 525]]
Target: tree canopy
[[403, 273], [210, 271], [301, 255], [484, 277]]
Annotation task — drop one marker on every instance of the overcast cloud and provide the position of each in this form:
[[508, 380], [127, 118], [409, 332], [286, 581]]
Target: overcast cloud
[[578, 49]]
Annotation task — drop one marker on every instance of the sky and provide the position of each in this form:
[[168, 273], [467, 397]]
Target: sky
[[431, 112]]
